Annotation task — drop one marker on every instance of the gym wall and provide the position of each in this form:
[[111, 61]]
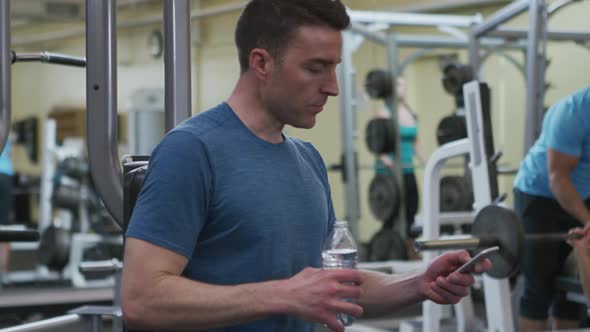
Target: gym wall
[[38, 88]]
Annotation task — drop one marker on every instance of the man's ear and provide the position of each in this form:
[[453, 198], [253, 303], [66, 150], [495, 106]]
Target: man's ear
[[260, 63]]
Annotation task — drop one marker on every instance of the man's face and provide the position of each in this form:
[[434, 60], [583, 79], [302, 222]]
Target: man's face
[[301, 81]]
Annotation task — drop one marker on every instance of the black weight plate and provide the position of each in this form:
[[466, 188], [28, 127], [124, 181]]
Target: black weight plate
[[455, 194], [384, 196], [387, 244], [379, 84], [451, 128], [54, 248], [381, 136], [497, 222]]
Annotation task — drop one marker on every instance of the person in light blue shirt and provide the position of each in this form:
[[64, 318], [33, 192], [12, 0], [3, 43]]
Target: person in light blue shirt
[[552, 194], [6, 176]]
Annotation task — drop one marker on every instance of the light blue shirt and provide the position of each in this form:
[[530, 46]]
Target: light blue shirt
[[566, 129], [5, 162]]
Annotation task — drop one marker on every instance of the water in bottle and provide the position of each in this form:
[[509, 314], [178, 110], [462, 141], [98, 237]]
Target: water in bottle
[[340, 252]]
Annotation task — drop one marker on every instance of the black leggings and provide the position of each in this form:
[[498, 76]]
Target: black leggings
[[5, 198], [542, 261], [410, 202]]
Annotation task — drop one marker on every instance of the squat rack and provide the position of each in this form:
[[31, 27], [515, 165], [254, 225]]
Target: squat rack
[[366, 26], [481, 35]]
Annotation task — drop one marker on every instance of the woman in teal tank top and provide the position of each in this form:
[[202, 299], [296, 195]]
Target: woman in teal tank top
[[384, 164]]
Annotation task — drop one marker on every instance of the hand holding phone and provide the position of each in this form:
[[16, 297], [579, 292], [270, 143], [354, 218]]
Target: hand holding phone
[[468, 267]]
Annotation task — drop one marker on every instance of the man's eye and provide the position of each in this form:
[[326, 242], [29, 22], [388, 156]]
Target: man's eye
[[314, 70]]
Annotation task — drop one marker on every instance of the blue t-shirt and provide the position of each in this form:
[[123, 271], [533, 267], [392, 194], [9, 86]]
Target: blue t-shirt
[[566, 129], [241, 209], [5, 162]]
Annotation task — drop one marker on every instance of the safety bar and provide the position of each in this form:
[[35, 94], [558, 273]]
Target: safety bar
[[109, 265], [513, 9], [71, 322], [55, 58], [430, 41], [5, 77], [177, 62], [553, 35], [101, 104], [411, 19]]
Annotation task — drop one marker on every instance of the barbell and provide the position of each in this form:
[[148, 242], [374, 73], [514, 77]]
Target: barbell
[[496, 226]]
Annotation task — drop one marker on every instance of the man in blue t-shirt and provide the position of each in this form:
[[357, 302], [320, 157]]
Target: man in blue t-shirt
[[228, 230], [552, 194]]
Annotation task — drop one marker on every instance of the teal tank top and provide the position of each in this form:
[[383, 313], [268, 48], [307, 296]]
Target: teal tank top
[[408, 136]]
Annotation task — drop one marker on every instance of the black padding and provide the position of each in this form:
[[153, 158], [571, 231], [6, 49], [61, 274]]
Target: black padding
[[134, 174]]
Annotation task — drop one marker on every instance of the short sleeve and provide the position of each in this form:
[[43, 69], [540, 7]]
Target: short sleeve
[[565, 129], [171, 209]]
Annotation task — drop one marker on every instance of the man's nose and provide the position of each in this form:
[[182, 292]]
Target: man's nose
[[330, 86]]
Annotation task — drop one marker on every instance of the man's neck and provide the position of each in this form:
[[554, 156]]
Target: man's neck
[[246, 103]]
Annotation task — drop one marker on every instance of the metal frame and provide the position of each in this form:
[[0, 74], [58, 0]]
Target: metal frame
[[351, 40], [5, 73], [537, 35], [177, 61], [101, 104]]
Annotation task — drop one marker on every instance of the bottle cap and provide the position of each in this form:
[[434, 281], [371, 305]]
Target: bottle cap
[[341, 223]]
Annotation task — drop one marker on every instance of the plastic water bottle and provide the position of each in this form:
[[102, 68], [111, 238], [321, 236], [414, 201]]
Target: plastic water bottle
[[340, 252]]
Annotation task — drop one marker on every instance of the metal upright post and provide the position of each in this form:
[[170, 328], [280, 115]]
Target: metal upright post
[[5, 75], [101, 104], [474, 48], [347, 107], [533, 107], [392, 65], [177, 62]]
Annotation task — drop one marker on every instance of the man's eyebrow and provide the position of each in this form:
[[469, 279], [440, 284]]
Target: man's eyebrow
[[325, 62]]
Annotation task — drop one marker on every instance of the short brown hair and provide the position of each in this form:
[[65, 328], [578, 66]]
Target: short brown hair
[[270, 24]]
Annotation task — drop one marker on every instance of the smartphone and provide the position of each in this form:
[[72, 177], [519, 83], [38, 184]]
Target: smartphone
[[468, 267]]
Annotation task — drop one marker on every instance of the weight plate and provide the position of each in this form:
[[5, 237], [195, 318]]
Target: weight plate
[[381, 136], [503, 224], [455, 194], [451, 128], [378, 84], [384, 196]]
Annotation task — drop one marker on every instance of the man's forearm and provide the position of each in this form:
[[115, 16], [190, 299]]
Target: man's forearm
[[569, 199], [178, 303], [385, 293]]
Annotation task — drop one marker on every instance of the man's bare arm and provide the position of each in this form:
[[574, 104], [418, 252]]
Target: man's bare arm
[[560, 167], [155, 296]]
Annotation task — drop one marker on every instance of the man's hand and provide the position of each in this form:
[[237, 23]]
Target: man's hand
[[581, 243], [443, 285], [318, 295]]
